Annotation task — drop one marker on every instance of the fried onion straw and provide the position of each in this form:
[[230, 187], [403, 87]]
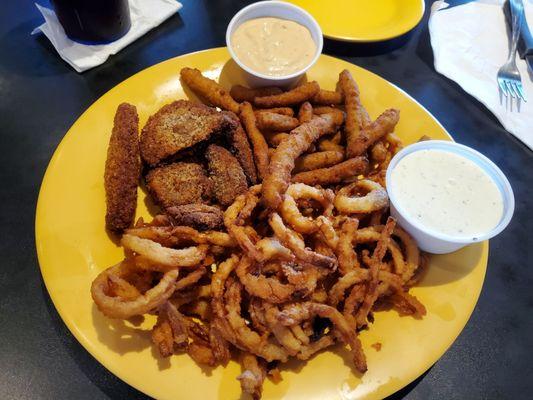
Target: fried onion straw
[[372, 285], [253, 375], [297, 312], [267, 288], [292, 241]]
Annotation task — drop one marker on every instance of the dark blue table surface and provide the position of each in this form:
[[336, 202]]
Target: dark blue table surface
[[41, 96]]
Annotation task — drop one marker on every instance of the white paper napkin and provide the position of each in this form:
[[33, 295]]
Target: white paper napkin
[[470, 44], [145, 15]]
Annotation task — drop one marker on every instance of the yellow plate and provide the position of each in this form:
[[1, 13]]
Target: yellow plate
[[364, 20], [73, 248]]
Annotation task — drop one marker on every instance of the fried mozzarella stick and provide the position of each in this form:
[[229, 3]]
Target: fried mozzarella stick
[[259, 144], [321, 159], [383, 125], [268, 121], [242, 93], [356, 115], [292, 97], [282, 163], [337, 173], [327, 97], [208, 89]]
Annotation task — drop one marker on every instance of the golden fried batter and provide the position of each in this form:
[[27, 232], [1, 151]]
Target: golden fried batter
[[241, 147], [199, 216], [122, 169], [178, 184], [226, 174], [177, 126]]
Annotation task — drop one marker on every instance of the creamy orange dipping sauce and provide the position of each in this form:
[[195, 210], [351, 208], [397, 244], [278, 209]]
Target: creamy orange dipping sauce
[[273, 46]]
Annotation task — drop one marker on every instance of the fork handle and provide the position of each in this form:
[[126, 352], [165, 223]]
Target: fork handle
[[516, 18], [525, 41]]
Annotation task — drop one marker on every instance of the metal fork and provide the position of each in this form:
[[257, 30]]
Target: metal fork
[[508, 76]]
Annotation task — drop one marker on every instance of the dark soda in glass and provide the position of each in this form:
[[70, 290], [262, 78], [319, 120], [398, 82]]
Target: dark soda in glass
[[93, 21]]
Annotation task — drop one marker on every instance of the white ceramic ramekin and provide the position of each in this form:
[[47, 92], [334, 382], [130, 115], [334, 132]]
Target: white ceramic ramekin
[[276, 9], [436, 242]]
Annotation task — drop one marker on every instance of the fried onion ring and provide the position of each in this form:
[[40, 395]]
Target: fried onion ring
[[116, 307], [292, 215], [375, 199], [164, 258]]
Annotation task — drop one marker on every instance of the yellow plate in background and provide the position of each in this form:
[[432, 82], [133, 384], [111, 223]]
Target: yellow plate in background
[[73, 248], [364, 20]]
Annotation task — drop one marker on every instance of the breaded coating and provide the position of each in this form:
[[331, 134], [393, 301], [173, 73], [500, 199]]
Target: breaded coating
[[282, 161], [177, 126], [198, 216], [241, 147], [275, 138], [373, 132], [305, 113], [226, 174], [289, 112], [259, 144], [295, 96], [179, 183], [268, 121], [242, 93], [356, 115], [208, 89], [327, 98], [122, 169], [320, 159], [335, 174]]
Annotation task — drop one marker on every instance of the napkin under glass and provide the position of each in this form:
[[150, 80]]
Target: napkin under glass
[[144, 14], [470, 43]]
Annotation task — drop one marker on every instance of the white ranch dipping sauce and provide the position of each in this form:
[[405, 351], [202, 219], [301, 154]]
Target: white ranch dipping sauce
[[447, 193], [273, 46]]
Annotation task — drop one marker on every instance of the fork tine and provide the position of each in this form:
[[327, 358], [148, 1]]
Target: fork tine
[[520, 91], [502, 86], [510, 88]]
